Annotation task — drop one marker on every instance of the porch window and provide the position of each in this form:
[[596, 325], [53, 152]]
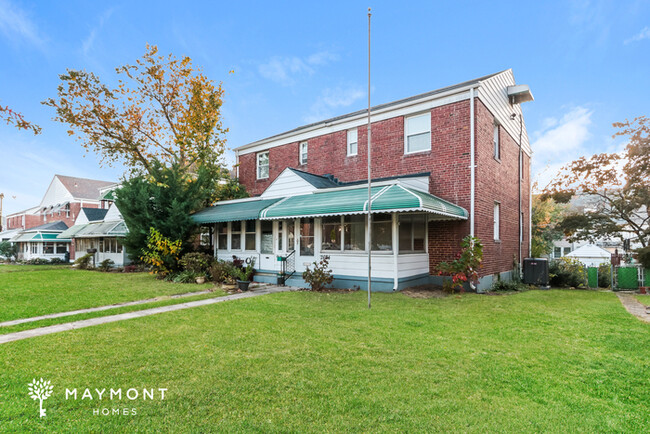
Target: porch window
[[331, 239], [48, 248], [60, 248], [250, 235], [412, 229], [354, 232], [291, 236], [222, 236], [303, 152], [263, 165], [101, 245], [418, 133], [280, 235], [382, 238], [267, 237], [119, 246], [34, 248], [307, 237], [235, 242], [352, 142]]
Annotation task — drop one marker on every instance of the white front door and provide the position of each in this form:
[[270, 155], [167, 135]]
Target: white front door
[[268, 260]]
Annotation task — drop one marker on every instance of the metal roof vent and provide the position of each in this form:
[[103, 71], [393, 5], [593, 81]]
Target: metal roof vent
[[519, 93]]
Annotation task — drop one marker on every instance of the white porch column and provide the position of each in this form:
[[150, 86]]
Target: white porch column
[[395, 251]]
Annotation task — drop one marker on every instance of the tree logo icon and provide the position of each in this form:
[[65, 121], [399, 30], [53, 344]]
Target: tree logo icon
[[40, 390]]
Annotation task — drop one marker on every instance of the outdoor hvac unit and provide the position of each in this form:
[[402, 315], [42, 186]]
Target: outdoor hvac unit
[[536, 271]]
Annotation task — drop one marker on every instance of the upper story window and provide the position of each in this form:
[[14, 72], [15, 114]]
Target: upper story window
[[352, 142], [263, 165], [495, 141], [303, 153], [417, 133]]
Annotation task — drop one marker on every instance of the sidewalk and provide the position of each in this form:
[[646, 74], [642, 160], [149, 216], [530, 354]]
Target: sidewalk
[[10, 337], [634, 306]]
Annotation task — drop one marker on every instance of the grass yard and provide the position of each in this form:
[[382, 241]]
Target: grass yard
[[643, 298], [536, 361], [28, 291]]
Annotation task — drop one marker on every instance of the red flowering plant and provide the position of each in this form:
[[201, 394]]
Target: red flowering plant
[[465, 267]]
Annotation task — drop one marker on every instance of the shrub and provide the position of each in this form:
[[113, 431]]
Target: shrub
[[465, 267], [604, 275], [196, 262], [221, 271], [161, 253], [132, 268], [57, 261], [106, 265], [567, 271], [320, 275], [185, 277], [506, 286], [8, 250], [38, 261], [84, 263], [246, 273]]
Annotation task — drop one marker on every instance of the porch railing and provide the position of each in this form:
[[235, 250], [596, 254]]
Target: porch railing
[[288, 267]]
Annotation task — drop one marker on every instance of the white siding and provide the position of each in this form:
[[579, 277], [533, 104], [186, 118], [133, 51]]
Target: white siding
[[113, 214], [287, 183], [413, 264], [56, 193], [420, 183]]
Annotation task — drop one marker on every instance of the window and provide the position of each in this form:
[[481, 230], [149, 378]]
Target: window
[[303, 153], [497, 217], [48, 248], [263, 165], [291, 236], [567, 250], [267, 237], [354, 232], [382, 238], [418, 133], [250, 235], [331, 227], [412, 230], [307, 237], [280, 235], [352, 142], [235, 242], [495, 141], [61, 248], [222, 236], [557, 252], [34, 248], [119, 245]]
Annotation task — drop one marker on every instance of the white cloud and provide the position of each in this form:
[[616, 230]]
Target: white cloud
[[331, 99], [643, 34], [559, 142], [88, 43], [16, 25], [285, 70]]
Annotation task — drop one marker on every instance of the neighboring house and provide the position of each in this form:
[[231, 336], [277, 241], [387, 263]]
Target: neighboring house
[[591, 255], [63, 201], [42, 242], [446, 164], [101, 230]]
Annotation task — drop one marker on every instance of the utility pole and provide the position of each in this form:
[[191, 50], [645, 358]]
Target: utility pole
[[369, 176]]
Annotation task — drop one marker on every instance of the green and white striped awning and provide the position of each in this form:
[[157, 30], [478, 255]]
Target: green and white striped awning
[[97, 229], [228, 212], [38, 236], [389, 198]]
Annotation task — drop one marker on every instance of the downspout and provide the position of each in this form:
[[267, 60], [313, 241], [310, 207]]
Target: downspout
[[472, 162], [521, 168]]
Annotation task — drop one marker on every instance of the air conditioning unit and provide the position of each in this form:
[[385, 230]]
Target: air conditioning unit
[[536, 271]]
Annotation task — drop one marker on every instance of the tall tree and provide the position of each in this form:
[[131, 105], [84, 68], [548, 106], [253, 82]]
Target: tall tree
[[162, 109], [617, 184]]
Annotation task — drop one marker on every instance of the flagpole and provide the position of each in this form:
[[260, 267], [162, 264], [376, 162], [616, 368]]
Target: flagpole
[[369, 176]]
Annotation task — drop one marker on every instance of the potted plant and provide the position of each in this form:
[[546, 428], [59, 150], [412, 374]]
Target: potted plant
[[200, 279], [244, 275]]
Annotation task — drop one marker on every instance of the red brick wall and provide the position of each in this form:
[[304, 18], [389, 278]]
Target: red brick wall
[[448, 162]]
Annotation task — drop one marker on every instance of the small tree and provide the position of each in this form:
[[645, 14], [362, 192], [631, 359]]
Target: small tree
[[465, 267], [161, 253], [546, 216], [8, 250]]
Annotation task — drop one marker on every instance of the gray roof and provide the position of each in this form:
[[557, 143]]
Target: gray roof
[[382, 106], [318, 181], [94, 214], [83, 188], [52, 226]]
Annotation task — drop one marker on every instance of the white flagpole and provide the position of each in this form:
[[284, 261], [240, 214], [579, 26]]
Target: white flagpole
[[369, 176]]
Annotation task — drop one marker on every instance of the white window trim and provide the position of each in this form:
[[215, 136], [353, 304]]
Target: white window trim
[[496, 145], [304, 146], [349, 154], [406, 133], [257, 166], [497, 221]]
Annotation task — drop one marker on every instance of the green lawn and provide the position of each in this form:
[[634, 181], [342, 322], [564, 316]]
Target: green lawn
[[643, 298], [27, 291], [539, 361]]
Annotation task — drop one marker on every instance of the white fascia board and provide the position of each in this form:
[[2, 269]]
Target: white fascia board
[[426, 103]]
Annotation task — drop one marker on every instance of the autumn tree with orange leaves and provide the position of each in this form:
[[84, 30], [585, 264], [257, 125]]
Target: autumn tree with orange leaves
[[12, 117], [162, 109], [618, 184]]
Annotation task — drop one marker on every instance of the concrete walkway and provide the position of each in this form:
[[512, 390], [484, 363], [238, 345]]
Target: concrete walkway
[[634, 306], [10, 337], [97, 309]]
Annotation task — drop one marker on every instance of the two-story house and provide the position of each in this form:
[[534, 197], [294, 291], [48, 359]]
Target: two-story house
[[445, 164]]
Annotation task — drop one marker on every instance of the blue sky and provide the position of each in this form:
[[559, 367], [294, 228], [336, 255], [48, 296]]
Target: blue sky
[[586, 62]]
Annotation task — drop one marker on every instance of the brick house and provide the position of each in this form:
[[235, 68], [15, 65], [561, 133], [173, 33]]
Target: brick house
[[63, 201], [465, 146]]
